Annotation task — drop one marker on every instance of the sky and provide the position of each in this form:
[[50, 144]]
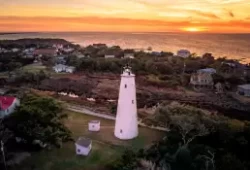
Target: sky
[[222, 16]]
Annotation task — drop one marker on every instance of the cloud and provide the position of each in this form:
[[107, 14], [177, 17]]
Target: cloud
[[204, 14], [231, 14], [93, 23]]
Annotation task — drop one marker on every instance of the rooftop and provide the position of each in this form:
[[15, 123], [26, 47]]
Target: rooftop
[[85, 142], [6, 102], [45, 51], [245, 86], [94, 121]]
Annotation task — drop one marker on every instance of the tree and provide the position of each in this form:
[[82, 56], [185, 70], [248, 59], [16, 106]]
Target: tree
[[39, 119], [190, 121], [208, 59], [189, 127], [230, 162], [13, 65], [72, 60]]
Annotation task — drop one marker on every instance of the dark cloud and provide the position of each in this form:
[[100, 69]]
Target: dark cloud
[[205, 14], [231, 14]]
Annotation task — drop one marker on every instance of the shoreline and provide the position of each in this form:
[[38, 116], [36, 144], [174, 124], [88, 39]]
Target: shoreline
[[241, 58], [9, 33]]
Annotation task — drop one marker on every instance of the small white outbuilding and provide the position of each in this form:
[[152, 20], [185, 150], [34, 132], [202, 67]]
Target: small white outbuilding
[[94, 125], [83, 146]]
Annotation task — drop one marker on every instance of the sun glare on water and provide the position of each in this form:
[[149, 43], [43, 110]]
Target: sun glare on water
[[193, 29]]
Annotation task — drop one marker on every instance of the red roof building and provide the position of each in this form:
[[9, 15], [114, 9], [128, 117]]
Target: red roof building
[[7, 105], [46, 52]]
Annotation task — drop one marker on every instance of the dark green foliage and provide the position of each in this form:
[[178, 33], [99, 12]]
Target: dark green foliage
[[12, 61], [30, 78], [226, 147], [126, 162], [39, 118], [230, 162]]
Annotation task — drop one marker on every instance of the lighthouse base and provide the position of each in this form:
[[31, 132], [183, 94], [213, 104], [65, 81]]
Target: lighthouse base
[[126, 136]]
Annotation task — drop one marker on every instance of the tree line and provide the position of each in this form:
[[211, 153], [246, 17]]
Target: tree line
[[197, 140]]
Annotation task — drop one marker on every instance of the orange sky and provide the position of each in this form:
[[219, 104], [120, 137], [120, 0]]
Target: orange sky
[[125, 15]]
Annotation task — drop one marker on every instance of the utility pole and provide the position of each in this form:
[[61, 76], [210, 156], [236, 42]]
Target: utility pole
[[2, 149]]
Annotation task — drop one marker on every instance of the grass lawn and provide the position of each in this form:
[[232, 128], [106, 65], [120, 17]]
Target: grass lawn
[[66, 159], [78, 123], [105, 148], [34, 68]]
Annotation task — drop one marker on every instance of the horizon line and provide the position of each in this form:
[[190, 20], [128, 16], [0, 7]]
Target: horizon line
[[146, 32]]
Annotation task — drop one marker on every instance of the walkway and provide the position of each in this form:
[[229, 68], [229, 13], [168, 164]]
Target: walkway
[[89, 112]]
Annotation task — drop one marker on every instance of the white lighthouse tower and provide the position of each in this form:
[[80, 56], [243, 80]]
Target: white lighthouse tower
[[126, 125]]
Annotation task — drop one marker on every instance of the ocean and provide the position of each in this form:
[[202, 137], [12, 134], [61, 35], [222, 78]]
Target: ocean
[[236, 46]]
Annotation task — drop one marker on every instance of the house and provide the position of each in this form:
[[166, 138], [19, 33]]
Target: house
[[129, 55], [183, 53], [109, 56], [156, 53], [219, 88], [244, 90], [70, 69], [207, 70], [58, 46], [14, 50], [202, 80], [59, 68], [231, 64], [8, 105], [81, 55], [28, 50], [61, 59], [63, 68], [83, 146], [28, 55], [94, 125], [68, 49], [45, 52]]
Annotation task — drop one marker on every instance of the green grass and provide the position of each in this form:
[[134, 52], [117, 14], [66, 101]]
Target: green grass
[[66, 159], [78, 124], [105, 148], [34, 68]]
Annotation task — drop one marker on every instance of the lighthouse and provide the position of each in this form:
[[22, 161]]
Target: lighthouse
[[126, 125]]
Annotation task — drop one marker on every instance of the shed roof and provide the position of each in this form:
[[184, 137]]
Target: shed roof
[[6, 102], [208, 70], [85, 142], [245, 86], [94, 121]]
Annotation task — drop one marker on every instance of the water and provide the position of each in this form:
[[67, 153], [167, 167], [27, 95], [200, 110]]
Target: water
[[236, 46]]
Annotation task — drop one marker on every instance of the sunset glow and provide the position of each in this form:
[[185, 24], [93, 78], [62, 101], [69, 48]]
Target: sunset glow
[[125, 15], [193, 29]]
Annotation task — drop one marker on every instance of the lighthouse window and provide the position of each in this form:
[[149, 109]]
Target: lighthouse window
[[132, 101], [120, 131], [125, 85]]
